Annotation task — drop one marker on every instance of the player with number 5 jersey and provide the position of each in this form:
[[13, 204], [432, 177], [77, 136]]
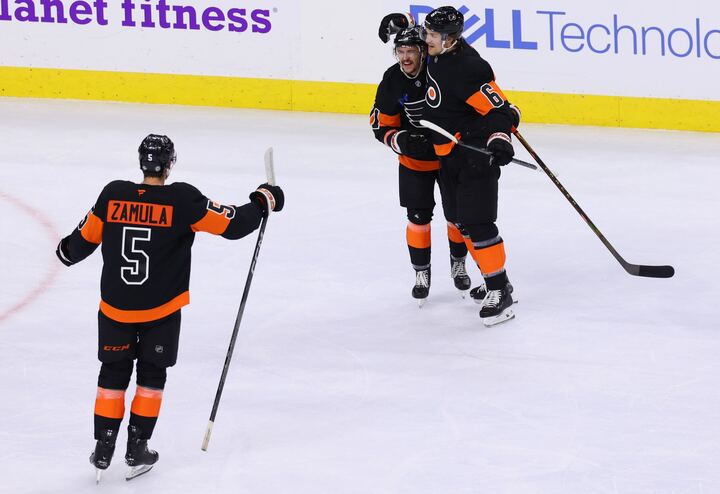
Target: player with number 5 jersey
[[146, 231]]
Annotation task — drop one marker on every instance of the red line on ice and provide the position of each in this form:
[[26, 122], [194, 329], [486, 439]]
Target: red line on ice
[[52, 271]]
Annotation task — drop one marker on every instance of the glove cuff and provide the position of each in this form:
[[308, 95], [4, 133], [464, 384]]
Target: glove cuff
[[63, 256], [394, 144], [266, 197], [499, 135]]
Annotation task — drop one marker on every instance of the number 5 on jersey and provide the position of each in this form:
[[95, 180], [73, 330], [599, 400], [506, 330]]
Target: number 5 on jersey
[[137, 262]]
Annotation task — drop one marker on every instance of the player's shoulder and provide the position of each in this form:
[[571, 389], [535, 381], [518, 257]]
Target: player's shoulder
[[117, 187], [473, 65], [184, 190], [393, 76]]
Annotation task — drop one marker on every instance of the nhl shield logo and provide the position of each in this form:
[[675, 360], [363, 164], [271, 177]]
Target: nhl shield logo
[[159, 349], [432, 94]]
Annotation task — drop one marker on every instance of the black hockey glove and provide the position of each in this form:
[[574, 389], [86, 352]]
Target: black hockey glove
[[62, 252], [500, 146], [414, 145], [393, 24], [268, 194]]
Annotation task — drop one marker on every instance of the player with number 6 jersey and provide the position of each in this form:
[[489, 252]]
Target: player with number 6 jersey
[[463, 98], [146, 231]]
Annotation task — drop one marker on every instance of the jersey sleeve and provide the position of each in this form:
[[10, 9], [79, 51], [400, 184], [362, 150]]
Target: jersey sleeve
[[86, 237], [385, 119], [480, 91], [231, 222]]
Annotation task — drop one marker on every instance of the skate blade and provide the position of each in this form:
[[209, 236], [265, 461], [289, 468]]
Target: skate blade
[[98, 475], [505, 315], [137, 471], [480, 301], [421, 302]]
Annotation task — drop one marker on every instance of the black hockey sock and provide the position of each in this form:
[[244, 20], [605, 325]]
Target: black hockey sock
[[146, 425], [496, 282]]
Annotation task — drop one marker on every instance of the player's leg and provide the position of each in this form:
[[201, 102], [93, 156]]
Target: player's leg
[[448, 182], [477, 199], [157, 350], [417, 195], [116, 351]]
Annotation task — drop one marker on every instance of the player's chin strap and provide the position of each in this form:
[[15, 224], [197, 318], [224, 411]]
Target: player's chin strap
[[447, 48]]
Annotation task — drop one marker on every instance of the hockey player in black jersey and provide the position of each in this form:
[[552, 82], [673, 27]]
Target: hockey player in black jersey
[[463, 98], [147, 231], [394, 119]]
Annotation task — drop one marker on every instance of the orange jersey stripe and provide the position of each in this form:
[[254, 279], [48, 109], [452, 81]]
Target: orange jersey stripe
[[110, 403], [444, 149], [491, 260], [488, 97], [146, 315], [92, 230], [147, 402], [418, 236], [212, 222], [389, 120], [454, 234], [419, 165]]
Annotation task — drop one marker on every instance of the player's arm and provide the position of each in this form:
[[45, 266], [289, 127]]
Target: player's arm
[[386, 123], [233, 222], [385, 118], [501, 117], [85, 238]]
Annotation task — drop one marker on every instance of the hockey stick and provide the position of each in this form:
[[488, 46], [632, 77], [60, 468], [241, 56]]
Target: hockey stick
[[270, 173], [633, 269], [445, 133]]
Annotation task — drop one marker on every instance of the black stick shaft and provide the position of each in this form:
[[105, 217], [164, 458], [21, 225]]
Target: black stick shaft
[[634, 269], [488, 153], [233, 339]]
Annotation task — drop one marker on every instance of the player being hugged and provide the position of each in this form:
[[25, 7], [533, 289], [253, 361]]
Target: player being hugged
[[399, 105], [147, 231]]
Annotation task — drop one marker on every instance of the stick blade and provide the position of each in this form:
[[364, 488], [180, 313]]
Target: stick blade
[[656, 271], [649, 271], [269, 166]]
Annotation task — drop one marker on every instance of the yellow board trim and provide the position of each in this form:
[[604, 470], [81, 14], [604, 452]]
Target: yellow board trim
[[341, 97]]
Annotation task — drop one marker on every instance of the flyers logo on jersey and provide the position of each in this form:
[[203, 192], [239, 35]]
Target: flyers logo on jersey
[[433, 96], [139, 213]]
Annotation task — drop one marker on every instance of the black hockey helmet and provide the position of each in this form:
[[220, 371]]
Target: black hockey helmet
[[410, 36], [445, 20], [156, 153]]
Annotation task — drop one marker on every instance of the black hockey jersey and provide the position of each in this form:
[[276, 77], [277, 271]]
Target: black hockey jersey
[[399, 105], [146, 232], [462, 97]]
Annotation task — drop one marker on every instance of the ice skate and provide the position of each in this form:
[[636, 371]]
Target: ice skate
[[478, 293], [104, 449], [422, 286], [459, 275], [139, 458], [497, 307]]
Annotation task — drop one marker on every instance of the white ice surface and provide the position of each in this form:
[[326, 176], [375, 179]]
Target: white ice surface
[[604, 382]]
